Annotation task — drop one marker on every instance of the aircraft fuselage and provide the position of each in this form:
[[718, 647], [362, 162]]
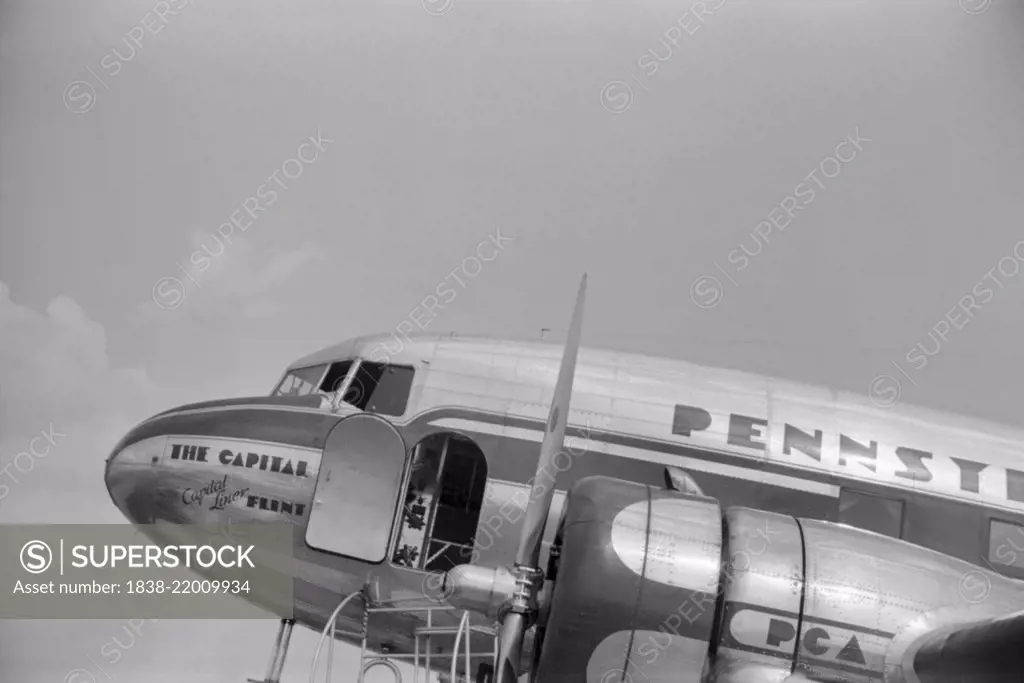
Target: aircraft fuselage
[[945, 483]]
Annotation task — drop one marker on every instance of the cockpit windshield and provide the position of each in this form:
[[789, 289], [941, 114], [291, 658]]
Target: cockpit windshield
[[373, 387], [300, 381]]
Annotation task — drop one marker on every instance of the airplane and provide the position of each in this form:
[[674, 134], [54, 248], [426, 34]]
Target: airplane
[[565, 513]]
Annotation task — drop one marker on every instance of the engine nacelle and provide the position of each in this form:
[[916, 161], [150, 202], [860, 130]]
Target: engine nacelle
[[657, 586]]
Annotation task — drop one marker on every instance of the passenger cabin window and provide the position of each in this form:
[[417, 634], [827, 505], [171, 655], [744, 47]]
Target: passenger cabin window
[[948, 526], [442, 504], [871, 513], [380, 388], [1006, 547]]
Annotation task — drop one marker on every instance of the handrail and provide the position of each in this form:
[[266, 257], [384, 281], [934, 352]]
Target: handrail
[[380, 661], [331, 624], [463, 624], [465, 630]]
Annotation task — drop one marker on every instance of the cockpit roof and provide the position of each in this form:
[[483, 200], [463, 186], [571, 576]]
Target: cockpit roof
[[399, 349], [408, 351]]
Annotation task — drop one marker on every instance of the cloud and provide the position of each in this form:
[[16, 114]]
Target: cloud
[[56, 376], [57, 380], [57, 383], [221, 277]]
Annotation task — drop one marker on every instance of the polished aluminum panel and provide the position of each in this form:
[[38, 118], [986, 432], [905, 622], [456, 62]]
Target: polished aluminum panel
[[133, 475], [800, 428], [684, 541], [979, 629], [358, 489], [982, 645], [634, 399], [595, 594], [865, 591], [150, 486], [634, 598], [642, 656], [501, 515], [762, 590]]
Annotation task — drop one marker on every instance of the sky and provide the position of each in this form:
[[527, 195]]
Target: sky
[[194, 193]]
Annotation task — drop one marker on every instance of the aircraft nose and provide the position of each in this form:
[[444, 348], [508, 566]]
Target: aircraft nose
[[111, 476], [129, 475]]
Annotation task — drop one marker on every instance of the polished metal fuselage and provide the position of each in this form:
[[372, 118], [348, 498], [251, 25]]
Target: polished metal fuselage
[[630, 416], [662, 587]]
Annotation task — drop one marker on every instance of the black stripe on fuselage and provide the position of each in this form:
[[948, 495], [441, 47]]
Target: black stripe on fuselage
[[752, 464], [308, 401], [940, 522], [303, 428], [509, 458], [801, 627]]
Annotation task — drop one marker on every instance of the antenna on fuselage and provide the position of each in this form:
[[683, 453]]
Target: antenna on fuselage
[[544, 332]]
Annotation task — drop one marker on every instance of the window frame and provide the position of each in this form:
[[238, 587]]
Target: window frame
[[396, 509], [277, 387], [357, 364], [421, 561], [1007, 570], [867, 494], [396, 531], [347, 379]]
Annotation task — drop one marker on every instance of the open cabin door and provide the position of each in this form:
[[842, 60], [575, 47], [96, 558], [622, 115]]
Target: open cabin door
[[358, 489]]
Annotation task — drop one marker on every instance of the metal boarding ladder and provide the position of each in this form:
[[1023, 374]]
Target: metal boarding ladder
[[422, 640]]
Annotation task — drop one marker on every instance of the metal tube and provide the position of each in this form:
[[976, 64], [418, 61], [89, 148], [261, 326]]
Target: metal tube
[[327, 626], [463, 625], [429, 643], [272, 665], [330, 649], [416, 659], [284, 638], [469, 657]]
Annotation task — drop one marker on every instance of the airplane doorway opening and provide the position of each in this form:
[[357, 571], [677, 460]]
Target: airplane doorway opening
[[442, 503]]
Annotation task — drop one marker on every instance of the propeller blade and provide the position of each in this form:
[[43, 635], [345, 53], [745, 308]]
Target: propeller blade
[[543, 489], [511, 650], [526, 573]]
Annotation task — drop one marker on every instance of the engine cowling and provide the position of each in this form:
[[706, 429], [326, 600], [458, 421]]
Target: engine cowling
[[653, 585]]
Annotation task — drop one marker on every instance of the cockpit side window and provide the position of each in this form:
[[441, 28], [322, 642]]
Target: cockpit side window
[[335, 377], [380, 388], [300, 381]]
